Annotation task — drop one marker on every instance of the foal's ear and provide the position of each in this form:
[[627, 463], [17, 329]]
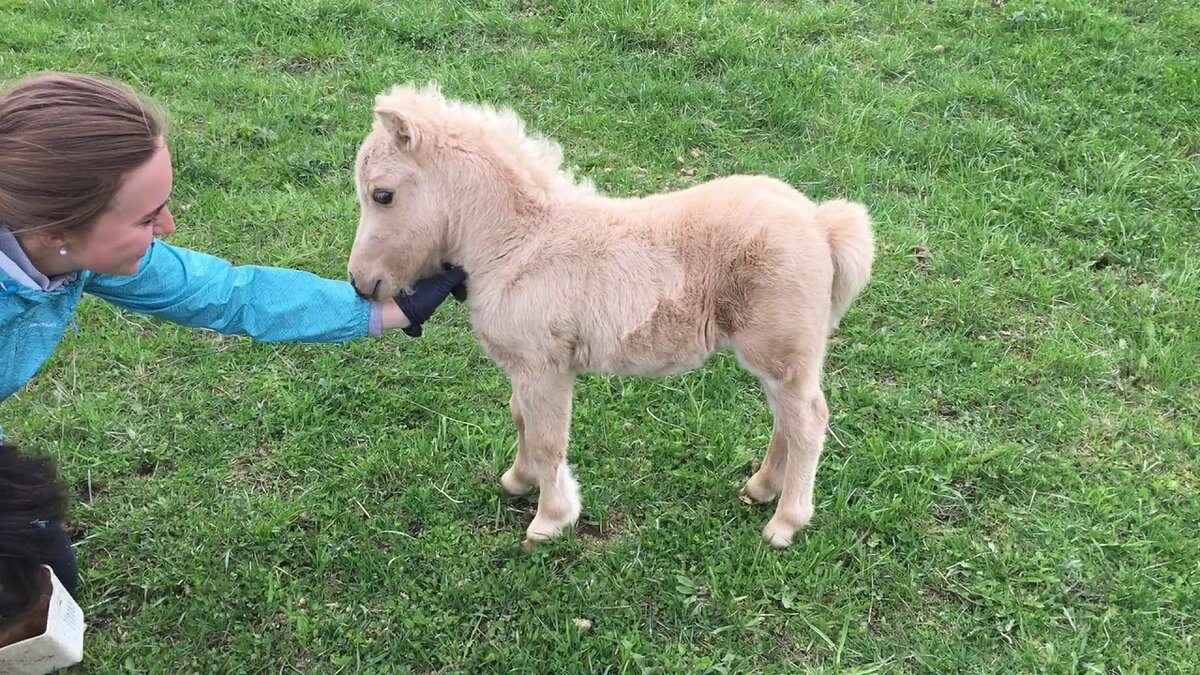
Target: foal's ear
[[404, 130]]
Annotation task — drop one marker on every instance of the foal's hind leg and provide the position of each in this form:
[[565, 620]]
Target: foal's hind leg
[[765, 484], [544, 405], [791, 372], [802, 407]]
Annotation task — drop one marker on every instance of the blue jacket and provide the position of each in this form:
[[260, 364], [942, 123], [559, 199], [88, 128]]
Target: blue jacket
[[185, 287]]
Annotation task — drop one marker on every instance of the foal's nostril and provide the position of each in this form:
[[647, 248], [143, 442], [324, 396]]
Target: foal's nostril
[[359, 292]]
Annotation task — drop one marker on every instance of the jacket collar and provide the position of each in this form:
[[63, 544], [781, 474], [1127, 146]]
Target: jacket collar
[[16, 266]]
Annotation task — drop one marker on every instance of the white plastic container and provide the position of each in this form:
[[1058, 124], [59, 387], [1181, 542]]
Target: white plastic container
[[60, 646]]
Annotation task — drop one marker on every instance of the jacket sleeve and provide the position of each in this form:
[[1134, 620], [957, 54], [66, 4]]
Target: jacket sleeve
[[266, 303]]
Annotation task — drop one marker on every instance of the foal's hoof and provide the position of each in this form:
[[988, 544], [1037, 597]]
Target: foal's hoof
[[758, 491], [514, 486], [533, 538], [778, 536], [779, 532], [545, 527]]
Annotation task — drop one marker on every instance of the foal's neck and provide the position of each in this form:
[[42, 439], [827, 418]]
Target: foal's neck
[[501, 219], [488, 232]]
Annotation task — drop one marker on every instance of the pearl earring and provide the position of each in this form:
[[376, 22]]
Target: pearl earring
[[62, 250]]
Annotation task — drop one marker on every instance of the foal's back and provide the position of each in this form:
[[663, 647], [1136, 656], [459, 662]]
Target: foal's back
[[669, 278]]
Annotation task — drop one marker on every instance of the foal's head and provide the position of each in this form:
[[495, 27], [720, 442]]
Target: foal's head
[[433, 171], [403, 213]]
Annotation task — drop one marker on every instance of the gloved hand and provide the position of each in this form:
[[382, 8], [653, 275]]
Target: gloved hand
[[428, 294]]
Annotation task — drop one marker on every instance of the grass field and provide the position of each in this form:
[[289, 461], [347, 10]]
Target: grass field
[[1011, 480]]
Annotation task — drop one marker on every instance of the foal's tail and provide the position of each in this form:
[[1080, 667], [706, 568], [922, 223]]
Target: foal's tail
[[853, 246]]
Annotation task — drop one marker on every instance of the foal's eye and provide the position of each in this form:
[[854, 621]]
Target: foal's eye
[[382, 196]]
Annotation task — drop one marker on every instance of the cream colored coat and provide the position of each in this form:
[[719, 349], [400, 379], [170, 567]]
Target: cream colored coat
[[564, 280]]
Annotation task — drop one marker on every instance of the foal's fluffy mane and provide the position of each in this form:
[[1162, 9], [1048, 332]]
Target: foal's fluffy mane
[[536, 159]]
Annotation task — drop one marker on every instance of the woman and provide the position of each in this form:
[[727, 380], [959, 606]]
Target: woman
[[85, 182]]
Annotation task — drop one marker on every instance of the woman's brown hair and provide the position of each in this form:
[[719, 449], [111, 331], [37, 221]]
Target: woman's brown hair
[[66, 142]]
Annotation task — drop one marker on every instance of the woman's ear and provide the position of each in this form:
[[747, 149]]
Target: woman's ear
[[53, 238], [43, 240]]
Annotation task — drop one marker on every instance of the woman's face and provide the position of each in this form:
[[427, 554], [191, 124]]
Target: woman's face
[[124, 231]]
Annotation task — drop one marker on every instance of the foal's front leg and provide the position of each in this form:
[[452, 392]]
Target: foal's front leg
[[519, 478], [543, 405]]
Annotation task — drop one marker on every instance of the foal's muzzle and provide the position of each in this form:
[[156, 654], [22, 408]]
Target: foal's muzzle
[[360, 293]]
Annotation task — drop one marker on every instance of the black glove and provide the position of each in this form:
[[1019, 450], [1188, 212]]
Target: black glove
[[428, 294], [460, 291]]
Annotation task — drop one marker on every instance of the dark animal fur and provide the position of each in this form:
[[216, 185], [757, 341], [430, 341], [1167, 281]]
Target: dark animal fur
[[30, 493]]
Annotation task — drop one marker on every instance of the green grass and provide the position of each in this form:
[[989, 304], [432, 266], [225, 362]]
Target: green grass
[[1012, 481]]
